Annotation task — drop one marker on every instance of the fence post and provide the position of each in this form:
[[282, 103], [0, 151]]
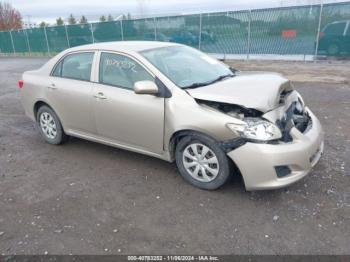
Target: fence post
[[29, 49], [121, 29], [65, 27], [155, 28], [249, 33], [47, 41], [318, 31], [13, 45], [200, 32], [92, 33]]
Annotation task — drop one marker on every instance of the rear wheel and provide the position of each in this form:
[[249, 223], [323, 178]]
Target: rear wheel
[[50, 126], [333, 49], [202, 162]]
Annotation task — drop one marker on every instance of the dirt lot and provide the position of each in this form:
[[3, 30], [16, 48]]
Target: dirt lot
[[87, 198], [336, 72]]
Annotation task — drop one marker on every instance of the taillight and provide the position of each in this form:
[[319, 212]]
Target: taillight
[[322, 34], [20, 83]]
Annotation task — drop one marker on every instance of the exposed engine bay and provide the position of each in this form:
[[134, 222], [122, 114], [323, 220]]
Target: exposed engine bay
[[295, 116], [232, 110]]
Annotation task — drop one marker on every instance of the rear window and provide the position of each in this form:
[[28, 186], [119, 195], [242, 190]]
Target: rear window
[[335, 29], [75, 66]]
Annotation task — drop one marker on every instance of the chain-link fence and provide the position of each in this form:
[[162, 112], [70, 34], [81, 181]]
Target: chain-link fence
[[299, 30]]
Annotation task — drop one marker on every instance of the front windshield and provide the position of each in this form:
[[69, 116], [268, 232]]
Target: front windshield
[[187, 67]]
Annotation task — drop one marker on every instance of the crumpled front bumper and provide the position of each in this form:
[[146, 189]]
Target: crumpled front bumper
[[257, 161]]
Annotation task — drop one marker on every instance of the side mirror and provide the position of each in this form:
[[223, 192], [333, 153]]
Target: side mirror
[[145, 87]]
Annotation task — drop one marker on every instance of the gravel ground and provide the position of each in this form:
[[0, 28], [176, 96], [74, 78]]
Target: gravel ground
[[332, 72], [87, 198]]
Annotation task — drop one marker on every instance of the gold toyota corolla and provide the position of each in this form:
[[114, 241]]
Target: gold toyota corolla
[[173, 102]]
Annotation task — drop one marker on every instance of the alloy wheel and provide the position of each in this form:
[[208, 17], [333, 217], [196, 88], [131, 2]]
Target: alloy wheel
[[200, 162], [48, 125], [333, 49]]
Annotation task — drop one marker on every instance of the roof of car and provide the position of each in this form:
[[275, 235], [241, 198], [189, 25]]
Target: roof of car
[[341, 21], [135, 46]]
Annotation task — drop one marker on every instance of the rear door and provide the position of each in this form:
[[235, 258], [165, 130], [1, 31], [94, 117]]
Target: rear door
[[70, 92], [123, 117]]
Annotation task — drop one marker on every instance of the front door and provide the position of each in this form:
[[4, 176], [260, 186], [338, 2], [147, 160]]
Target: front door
[[123, 117]]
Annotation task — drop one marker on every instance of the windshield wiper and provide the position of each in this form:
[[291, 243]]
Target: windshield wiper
[[220, 78], [195, 85]]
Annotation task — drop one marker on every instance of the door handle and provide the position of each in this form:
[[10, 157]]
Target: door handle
[[52, 86], [100, 95]]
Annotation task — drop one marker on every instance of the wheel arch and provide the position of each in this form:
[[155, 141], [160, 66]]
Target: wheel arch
[[41, 103], [179, 134]]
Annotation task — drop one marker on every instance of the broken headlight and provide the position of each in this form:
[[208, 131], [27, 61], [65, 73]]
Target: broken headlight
[[256, 129]]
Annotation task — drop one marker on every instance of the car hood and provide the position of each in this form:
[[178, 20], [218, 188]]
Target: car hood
[[260, 91]]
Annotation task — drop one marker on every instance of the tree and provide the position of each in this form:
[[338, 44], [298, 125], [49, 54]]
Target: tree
[[59, 21], [71, 20], [110, 18], [126, 17], [10, 18], [142, 7], [83, 20], [43, 24], [102, 18]]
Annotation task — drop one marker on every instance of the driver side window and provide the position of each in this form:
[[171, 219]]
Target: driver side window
[[121, 71]]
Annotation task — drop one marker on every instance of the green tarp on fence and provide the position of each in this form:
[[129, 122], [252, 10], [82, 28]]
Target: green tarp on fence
[[298, 30]]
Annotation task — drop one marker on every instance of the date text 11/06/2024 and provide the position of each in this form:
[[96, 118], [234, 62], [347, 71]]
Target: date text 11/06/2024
[[173, 258]]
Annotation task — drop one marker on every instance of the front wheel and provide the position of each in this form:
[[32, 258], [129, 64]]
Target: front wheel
[[202, 162]]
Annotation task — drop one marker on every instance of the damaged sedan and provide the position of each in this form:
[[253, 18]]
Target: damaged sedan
[[176, 103]]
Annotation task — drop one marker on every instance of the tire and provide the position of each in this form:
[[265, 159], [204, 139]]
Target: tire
[[50, 126], [333, 49], [190, 164]]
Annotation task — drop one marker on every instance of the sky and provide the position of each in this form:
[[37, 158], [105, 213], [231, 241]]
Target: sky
[[36, 11]]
